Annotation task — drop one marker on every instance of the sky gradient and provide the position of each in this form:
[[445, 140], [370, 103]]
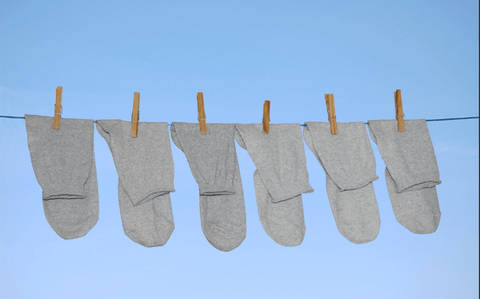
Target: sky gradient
[[239, 54]]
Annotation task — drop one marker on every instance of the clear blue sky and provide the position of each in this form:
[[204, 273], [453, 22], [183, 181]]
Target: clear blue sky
[[239, 54]]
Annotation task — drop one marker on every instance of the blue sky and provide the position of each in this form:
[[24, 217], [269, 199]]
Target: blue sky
[[239, 54]]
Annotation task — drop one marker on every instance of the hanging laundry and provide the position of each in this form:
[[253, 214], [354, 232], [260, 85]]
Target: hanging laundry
[[411, 173], [213, 161], [349, 163], [280, 178], [64, 164], [145, 178]]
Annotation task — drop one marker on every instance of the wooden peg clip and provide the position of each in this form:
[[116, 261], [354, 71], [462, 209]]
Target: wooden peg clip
[[332, 118], [399, 110], [58, 108], [201, 113], [266, 117], [135, 113]]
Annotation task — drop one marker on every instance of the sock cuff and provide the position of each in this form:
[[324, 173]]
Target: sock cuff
[[144, 163], [347, 157], [62, 159], [279, 157], [211, 156], [409, 155], [75, 190]]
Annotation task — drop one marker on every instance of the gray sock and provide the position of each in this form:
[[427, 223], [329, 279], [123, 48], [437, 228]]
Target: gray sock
[[349, 165], [213, 161], [411, 173], [64, 164], [145, 179], [280, 179], [283, 221]]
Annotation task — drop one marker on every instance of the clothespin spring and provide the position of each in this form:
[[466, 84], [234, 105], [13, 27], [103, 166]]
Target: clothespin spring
[[61, 109]]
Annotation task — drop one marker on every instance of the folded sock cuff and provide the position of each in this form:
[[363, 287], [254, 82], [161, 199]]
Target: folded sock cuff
[[279, 157], [347, 157], [278, 194], [76, 190], [214, 190], [62, 158], [144, 163], [211, 156], [409, 155]]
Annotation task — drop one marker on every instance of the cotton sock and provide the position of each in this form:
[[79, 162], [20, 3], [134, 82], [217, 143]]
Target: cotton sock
[[411, 173], [213, 161], [64, 164], [349, 164], [418, 211], [223, 217], [149, 224], [283, 221], [280, 179], [145, 170]]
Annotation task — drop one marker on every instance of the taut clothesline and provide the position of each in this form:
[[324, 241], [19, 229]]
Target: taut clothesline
[[428, 120]]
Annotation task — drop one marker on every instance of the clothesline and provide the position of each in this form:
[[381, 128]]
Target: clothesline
[[428, 120]]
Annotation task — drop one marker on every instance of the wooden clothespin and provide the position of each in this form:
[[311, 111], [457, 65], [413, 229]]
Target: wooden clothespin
[[58, 108], [399, 110], [266, 117], [201, 113], [332, 118], [135, 113]]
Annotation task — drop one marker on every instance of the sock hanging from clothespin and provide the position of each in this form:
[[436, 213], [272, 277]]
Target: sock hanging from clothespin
[[266, 117], [332, 118], [135, 113], [201, 113], [399, 110], [58, 108]]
